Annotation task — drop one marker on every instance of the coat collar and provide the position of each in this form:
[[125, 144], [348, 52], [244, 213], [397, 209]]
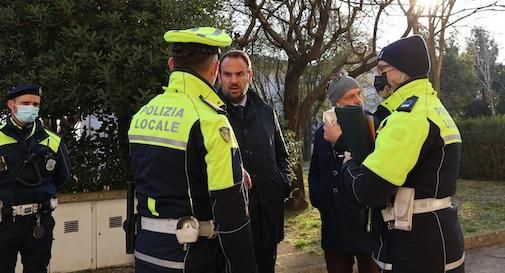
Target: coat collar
[[22, 133], [193, 85], [416, 87]]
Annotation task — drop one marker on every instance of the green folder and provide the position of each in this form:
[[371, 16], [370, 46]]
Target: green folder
[[358, 131]]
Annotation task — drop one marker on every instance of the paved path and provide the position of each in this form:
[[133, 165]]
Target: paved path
[[293, 260], [489, 259]]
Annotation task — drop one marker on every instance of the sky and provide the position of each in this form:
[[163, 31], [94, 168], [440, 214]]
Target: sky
[[493, 21], [393, 24]]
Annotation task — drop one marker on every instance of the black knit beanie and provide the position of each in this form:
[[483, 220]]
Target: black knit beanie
[[408, 55]]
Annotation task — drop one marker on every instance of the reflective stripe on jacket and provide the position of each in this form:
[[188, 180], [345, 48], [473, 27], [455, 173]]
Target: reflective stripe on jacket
[[186, 162]]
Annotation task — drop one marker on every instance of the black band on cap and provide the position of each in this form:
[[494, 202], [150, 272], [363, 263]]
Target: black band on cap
[[24, 89]]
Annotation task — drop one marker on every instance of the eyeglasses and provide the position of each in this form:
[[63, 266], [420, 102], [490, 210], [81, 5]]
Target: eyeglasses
[[382, 68]]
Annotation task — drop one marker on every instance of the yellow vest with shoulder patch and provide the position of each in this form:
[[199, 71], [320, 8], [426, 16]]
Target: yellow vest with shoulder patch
[[416, 112]]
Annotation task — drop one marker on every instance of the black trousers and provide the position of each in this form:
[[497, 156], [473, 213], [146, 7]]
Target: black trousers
[[343, 263], [161, 253], [266, 257], [17, 236]]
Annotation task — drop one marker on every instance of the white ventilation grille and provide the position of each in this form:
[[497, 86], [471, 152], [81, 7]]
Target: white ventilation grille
[[71, 226], [115, 222]]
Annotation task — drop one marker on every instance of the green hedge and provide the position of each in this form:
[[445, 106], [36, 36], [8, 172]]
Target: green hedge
[[100, 57], [483, 152]]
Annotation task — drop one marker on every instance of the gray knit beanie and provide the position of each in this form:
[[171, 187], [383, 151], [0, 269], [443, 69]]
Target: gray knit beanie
[[339, 85]]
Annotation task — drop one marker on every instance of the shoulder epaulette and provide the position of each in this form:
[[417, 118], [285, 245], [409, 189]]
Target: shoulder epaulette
[[51, 134], [213, 106], [408, 104]]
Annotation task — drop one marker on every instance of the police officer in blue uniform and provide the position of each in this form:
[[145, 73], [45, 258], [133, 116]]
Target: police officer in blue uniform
[[411, 175], [34, 163], [192, 199]]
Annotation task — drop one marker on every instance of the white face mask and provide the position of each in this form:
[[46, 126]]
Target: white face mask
[[26, 113]]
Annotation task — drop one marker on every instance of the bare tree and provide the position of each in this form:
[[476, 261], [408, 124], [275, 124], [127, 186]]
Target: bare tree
[[266, 81], [308, 32], [486, 52], [434, 20]]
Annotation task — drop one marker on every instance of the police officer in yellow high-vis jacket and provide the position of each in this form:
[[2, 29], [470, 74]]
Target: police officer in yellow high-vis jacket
[[188, 170], [411, 175]]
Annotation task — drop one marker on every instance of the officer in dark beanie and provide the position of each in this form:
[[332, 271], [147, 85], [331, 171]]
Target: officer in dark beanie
[[414, 49], [34, 162], [411, 175], [409, 56]]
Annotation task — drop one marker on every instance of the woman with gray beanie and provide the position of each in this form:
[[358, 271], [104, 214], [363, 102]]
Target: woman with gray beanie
[[411, 175], [342, 229]]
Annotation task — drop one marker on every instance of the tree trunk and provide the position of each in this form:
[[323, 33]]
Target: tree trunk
[[307, 140], [488, 96], [291, 112], [437, 71], [292, 98]]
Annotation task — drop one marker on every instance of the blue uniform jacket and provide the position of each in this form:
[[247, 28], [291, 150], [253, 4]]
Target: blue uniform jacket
[[34, 163]]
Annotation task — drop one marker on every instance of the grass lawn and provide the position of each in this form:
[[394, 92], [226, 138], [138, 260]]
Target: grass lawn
[[481, 209]]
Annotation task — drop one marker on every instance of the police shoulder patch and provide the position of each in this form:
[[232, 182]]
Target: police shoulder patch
[[408, 104], [225, 133]]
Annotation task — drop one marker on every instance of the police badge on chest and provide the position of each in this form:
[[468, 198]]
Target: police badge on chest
[[50, 164]]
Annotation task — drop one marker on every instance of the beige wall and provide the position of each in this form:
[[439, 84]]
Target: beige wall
[[88, 233]]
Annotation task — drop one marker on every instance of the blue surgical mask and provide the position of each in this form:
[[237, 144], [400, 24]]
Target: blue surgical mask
[[26, 113]]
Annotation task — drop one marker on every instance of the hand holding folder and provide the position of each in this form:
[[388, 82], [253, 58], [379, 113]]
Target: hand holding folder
[[329, 116], [358, 130]]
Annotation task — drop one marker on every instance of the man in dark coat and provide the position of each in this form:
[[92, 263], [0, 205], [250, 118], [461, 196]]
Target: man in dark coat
[[263, 152], [342, 230]]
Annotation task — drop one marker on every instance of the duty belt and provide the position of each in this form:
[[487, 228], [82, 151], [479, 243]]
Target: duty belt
[[25, 209], [169, 226], [399, 214], [19, 210], [431, 204]]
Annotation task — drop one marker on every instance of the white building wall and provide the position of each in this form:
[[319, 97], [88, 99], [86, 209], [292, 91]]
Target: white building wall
[[88, 235]]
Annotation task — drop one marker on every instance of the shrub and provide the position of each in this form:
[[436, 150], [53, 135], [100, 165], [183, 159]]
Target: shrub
[[104, 58], [483, 152]]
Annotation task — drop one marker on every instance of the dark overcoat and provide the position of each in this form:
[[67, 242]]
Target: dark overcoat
[[265, 157], [342, 218]]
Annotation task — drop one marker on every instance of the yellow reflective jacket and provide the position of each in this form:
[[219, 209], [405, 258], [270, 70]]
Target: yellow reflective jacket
[[186, 162], [418, 145], [182, 148]]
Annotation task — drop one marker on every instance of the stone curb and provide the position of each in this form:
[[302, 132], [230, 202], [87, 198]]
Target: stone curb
[[485, 239]]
